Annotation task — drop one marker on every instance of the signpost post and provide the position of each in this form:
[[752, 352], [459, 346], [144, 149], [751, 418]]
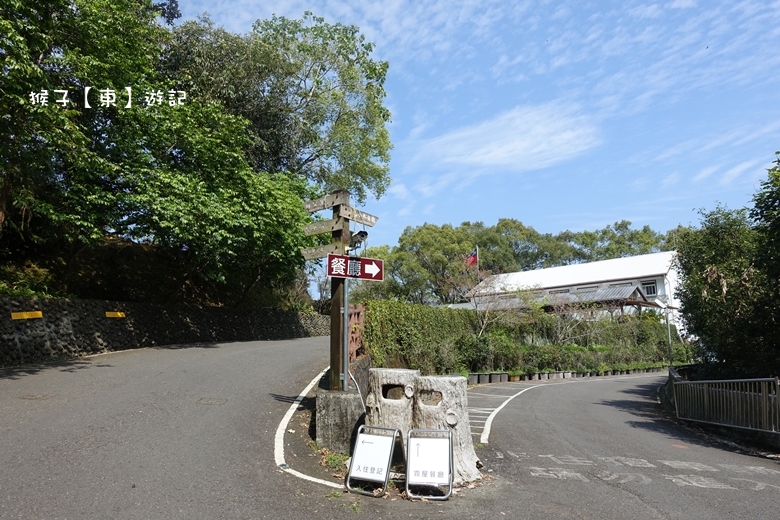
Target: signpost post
[[338, 227]]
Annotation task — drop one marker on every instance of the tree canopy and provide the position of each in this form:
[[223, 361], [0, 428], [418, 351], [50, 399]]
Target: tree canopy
[[730, 285], [428, 264], [190, 146], [310, 91]]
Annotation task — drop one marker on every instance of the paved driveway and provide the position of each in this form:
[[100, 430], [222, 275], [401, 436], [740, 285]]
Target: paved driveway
[[189, 433]]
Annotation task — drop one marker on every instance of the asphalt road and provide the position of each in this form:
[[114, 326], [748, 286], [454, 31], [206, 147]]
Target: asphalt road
[[173, 433], [189, 433], [153, 433], [600, 448]]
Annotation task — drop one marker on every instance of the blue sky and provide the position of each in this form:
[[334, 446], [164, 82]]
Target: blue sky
[[564, 115]]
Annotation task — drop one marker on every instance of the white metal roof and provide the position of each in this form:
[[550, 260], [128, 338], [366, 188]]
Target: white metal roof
[[628, 268]]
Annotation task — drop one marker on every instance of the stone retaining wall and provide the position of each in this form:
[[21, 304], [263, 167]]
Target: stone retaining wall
[[73, 328]]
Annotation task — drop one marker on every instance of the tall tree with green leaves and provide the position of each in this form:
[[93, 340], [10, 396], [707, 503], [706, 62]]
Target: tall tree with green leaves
[[729, 291], [171, 175], [722, 292], [310, 90]]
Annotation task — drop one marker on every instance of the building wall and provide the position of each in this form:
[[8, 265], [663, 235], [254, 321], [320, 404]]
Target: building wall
[[74, 328]]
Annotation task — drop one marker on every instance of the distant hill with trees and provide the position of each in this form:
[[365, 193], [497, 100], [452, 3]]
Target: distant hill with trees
[[429, 266]]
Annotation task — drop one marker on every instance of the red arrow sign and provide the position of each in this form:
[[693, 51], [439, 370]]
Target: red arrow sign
[[342, 266]]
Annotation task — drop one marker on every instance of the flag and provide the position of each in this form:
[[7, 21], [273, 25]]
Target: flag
[[473, 258]]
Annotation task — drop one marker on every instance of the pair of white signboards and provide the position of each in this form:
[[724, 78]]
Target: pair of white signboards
[[428, 459]]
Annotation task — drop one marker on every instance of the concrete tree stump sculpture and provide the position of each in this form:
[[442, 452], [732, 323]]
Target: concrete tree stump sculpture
[[403, 399], [441, 403], [390, 398]]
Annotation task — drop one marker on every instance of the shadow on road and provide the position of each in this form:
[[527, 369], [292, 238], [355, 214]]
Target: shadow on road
[[186, 345], [80, 363], [656, 419], [70, 365], [284, 398]]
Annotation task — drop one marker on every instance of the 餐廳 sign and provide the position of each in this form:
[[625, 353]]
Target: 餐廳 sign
[[341, 266]]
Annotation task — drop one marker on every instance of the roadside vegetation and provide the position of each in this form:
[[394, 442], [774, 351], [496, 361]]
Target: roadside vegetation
[[444, 341], [140, 197], [730, 289]]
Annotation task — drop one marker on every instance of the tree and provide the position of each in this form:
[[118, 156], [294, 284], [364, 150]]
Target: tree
[[766, 215], [310, 91], [614, 241], [531, 249], [729, 292], [172, 176], [428, 264], [65, 45], [722, 293], [191, 190]]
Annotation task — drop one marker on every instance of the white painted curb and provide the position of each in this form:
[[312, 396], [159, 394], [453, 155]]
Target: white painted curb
[[279, 438]]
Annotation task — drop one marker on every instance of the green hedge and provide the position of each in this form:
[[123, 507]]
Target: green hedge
[[415, 336], [441, 341]]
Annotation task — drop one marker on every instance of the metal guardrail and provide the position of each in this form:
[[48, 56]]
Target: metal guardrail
[[751, 404]]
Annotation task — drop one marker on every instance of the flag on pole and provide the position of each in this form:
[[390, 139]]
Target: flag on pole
[[473, 258]]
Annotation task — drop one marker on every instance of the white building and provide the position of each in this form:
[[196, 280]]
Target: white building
[[626, 283]]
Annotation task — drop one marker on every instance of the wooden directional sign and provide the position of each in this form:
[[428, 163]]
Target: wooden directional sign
[[324, 226], [328, 201], [313, 253], [341, 266], [356, 215]]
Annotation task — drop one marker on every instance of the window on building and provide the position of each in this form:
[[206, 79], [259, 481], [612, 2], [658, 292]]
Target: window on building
[[626, 284], [649, 288], [588, 289], [559, 291]]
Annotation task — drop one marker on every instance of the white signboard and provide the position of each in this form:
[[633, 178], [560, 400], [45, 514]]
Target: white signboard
[[428, 461], [371, 457]]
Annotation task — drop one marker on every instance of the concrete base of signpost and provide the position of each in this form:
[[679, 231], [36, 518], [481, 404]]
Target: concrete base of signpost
[[339, 415]]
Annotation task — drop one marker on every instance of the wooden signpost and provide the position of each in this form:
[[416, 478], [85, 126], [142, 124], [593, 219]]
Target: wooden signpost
[[338, 227]]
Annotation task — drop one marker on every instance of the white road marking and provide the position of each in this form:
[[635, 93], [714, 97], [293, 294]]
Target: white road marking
[[759, 485], [697, 481], [487, 395], [755, 470], [279, 439], [624, 478], [486, 432], [696, 466], [636, 463], [558, 473], [570, 460]]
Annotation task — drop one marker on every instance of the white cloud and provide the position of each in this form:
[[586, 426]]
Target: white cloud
[[703, 174], [646, 11], [522, 139], [670, 180], [682, 4], [399, 190], [736, 171], [406, 210]]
